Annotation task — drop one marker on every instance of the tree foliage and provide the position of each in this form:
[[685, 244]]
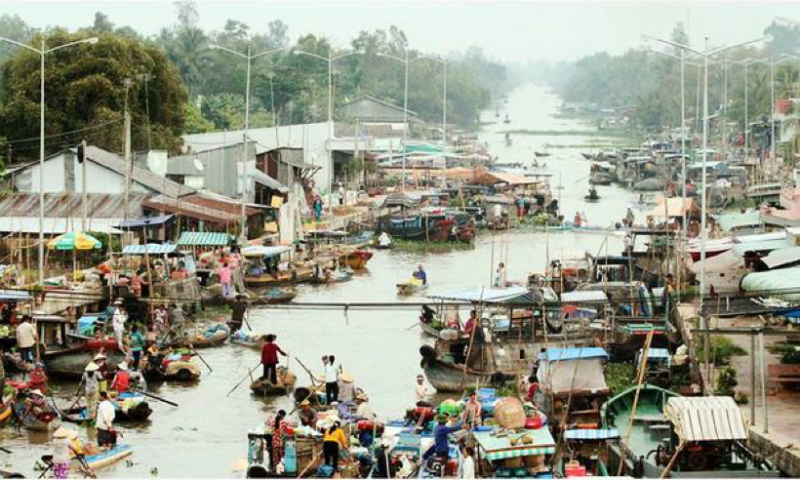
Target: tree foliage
[[85, 92]]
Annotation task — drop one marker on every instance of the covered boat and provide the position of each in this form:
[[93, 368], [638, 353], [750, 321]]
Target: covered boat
[[701, 436]]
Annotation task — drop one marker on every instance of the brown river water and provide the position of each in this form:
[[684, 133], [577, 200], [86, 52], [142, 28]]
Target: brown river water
[[206, 435]]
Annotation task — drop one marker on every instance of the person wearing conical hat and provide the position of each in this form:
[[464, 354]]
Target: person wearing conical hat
[[91, 388], [64, 441]]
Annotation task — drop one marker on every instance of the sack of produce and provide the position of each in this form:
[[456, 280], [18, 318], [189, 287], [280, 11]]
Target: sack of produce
[[509, 413]]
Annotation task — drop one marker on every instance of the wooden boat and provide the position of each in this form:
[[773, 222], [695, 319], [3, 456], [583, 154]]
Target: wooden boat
[[286, 383], [273, 295], [358, 259], [410, 288], [7, 474], [104, 458], [131, 407], [6, 411], [542, 154], [71, 362], [666, 425], [213, 336], [254, 340], [587, 156], [177, 366], [335, 276], [592, 196], [599, 178], [42, 422]]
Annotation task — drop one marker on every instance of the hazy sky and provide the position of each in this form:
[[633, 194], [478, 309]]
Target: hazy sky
[[509, 31]]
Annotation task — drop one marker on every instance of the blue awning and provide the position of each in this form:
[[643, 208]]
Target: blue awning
[[152, 249], [575, 353], [14, 296], [146, 222]]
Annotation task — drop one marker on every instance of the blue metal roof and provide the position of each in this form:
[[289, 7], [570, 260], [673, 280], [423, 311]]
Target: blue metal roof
[[658, 353], [575, 353], [591, 434], [152, 249]]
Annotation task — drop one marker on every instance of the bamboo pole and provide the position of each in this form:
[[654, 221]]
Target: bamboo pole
[[671, 463], [639, 382]]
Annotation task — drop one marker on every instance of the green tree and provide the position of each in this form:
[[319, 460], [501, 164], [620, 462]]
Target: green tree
[[85, 91], [195, 122], [15, 28]]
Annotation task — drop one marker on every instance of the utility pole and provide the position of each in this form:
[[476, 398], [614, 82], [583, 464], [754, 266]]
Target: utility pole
[[128, 168], [146, 77], [84, 224]]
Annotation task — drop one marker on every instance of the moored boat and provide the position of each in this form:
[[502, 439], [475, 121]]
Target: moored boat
[[212, 336], [358, 259], [273, 295], [410, 288], [669, 429]]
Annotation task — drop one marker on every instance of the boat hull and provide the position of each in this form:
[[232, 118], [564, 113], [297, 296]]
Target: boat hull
[[71, 363], [106, 458], [446, 377]]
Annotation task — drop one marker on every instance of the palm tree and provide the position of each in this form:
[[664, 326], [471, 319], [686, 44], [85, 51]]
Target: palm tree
[[188, 50]]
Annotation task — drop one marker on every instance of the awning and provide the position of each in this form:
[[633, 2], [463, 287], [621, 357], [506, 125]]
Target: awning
[[699, 419], [591, 434], [146, 222], [781, 283], [500, 448], [584, 296], [731, 221], [151, 249], [574, 353], [13, 296], [215, 239], [784, 256], [658, 353], [263, 251], [482, 295]]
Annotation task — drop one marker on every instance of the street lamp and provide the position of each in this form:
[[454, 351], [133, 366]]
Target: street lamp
[[704, 233], [42, 51], [406, 62], [330, 59], [444, 92], [249, 57]]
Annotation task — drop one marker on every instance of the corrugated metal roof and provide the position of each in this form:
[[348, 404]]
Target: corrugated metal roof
[[699, 419], [98, 205], [215, 239], [149, 179], [13, 295], [584, 296], [483, 294], [151, 249], [199, 207]]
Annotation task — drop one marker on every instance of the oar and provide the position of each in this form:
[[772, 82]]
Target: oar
[[249, 372], [82, 459], [413, 326], [5, 450], [313, 378], [191, 347], [157, 398]]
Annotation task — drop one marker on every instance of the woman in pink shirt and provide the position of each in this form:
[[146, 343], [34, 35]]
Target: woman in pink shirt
[[225, 275]]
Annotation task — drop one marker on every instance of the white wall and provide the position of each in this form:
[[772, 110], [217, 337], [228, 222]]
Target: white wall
[[98, 179]]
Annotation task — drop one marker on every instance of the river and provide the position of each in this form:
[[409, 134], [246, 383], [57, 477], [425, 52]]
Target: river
[[206, 435]]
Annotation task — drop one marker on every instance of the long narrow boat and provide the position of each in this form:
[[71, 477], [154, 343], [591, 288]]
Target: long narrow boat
[[42, 422], [105, 458], [706, 435], [254, 340], [6, 411]]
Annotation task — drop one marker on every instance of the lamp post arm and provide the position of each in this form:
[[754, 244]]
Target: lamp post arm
[[78, 42]]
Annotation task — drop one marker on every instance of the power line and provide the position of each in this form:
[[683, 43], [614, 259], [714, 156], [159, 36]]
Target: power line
[[56, 135]]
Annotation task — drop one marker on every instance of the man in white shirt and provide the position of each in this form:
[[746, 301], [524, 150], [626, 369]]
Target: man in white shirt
[[331, 379], [26, 339], [500, 276], [105, 422], [118, 323], [384, 240], [468, 464], [422, 391]]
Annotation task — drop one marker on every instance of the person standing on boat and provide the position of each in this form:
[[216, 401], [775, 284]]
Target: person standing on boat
[[225, 275], [629, 218], [91, 388], [64, 441], [106, 436], [238, 312], [269, 358], [137, 346], [472, 322], [26, 339], [332, 372], [578, 220], [471, 417], [279, 432], [384, 240], [500, 276], [118, 323]]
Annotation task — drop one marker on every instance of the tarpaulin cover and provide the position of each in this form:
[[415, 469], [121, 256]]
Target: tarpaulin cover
[[262, 251], [573, 370]]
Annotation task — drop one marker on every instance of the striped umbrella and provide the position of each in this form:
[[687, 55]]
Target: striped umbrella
[[74, 241]]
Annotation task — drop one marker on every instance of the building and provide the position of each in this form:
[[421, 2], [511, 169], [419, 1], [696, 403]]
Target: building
[[104, 172], [370, 110]]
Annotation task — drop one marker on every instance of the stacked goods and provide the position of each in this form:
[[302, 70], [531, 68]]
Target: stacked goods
[[509, 413]]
